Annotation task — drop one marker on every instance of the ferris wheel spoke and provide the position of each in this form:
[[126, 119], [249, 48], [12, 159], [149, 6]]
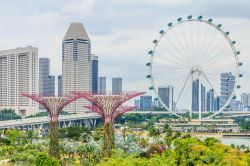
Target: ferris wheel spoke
[[176, 53], [219, 56], [182, 89], [178, 64], [217, 52], [209, 82]]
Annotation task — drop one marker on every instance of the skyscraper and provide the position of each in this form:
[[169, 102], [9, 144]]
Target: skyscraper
[[19, 74], [203, 98], [195, 95], [94, 74], [216, 105], [245, 101], [102, 85], [145, 103], [46, 81], [116, 85], [59, 85], [166, 94], [76, 64], [137, 104], [210, 100], [227, 86]]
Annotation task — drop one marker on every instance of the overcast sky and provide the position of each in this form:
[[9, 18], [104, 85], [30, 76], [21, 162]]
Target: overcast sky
[[121, 31]]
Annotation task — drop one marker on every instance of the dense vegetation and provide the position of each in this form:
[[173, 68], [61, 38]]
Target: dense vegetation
[[79, 146], [149, 147], [8, 114]]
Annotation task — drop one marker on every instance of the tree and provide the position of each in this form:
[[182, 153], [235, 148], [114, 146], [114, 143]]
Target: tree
[[13, 135], [155, 133], [30, 135], [125, 131], [44, 160], [167, 130]]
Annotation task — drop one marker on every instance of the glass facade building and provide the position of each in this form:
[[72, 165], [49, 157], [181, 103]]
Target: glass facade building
[[94, 74], [116, 85]]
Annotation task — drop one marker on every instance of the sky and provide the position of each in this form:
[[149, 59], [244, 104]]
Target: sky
[[121, 31]]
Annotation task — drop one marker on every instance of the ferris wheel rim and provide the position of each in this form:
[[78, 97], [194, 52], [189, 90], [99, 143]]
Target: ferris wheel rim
[[229, 42]]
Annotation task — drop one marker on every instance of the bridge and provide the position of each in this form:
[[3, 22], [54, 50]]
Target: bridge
[[88, 120]]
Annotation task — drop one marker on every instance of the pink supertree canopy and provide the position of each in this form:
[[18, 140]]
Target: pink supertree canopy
[[54, 105], [109, 106]]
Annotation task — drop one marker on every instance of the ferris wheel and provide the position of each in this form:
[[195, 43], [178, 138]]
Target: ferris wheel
[[194, 67]]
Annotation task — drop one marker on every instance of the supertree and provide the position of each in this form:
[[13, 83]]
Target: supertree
[[110, 107], [54, 105]]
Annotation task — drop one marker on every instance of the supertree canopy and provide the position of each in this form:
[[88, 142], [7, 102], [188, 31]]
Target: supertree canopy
[[54, 105], [110, 107]]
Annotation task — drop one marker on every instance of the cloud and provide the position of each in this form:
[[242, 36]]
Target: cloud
[[121, 31]]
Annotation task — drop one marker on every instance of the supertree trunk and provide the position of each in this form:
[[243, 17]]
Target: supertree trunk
[[54, 141], [108, 139]]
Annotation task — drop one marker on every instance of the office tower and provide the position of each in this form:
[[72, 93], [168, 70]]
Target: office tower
[[59, 85], [51, 85], [195, 95], [116, 85], [227, 86], [210, 100], [245, 100], [216, 105], [137, 104], [203, 98], [46, 81], [19, 74], [94, 73], [145, 103], [102, 85], [76, 64], [166, 94], [248, 99], [155, 103]]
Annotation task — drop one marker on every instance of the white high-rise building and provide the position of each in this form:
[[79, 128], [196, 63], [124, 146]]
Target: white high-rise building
[[19, 74], [76, 64]]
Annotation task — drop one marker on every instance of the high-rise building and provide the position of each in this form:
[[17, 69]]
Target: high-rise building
[[155, 102], [94, 74], [102, 85], [137, 104], [76, 64], [145, 103], [210, 100], [116, 85], [195, 95], [51, 85], [203, 98], [245, 100], [19, 74], [46, 81], [227, 85], [217, 104], [166, 94], [59, 85]]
